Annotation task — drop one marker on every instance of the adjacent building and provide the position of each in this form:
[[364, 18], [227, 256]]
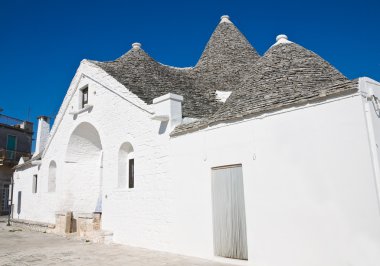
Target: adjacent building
[[259, 159], [15, 142]]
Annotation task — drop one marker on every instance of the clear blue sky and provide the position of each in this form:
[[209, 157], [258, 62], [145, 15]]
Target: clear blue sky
[[43, 42]]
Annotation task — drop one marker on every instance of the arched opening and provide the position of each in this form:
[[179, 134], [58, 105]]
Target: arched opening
[[83, 162], [52, 176], [84, 144], [126, 166]]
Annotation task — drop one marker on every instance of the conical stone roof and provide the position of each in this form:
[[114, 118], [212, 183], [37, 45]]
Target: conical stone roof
[[285, 74], [148, 79], [227, 59]]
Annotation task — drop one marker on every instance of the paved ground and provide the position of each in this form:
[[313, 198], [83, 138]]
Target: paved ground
[[32, 248]]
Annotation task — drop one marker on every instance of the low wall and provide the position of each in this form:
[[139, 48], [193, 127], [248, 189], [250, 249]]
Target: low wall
[[35, 226], [83, 225]]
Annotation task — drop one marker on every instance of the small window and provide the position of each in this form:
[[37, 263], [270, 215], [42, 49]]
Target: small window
[[84, 96], [34, 187], [126, 166], [131, 164], [11, 147]]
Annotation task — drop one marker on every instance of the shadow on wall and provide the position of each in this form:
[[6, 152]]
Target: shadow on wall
[[163, 127]]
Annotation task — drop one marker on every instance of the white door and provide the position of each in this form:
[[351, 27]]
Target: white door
[[230, 238]]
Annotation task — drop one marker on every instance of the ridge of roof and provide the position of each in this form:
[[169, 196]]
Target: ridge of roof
[[177, 68], [28, 161]]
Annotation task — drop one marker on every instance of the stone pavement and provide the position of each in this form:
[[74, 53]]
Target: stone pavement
[[24, 247]]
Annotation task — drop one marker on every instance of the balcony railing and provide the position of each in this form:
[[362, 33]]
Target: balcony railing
[[16, 123], [10, 157]]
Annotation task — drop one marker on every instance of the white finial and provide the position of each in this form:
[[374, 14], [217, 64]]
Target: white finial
[[282, 38], [136, 45], [225, 18]]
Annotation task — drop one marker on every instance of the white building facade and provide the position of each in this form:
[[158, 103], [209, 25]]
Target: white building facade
[[283, 171]]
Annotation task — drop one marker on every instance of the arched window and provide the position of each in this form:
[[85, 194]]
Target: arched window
[[126, 171], [52, 176]]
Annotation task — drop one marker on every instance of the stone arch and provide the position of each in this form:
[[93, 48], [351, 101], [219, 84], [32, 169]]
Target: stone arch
[[84, 143], [126, 152], [52, 176], [82, 172]]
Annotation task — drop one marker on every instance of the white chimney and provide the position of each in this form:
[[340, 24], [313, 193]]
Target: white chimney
[[42, 133], [168, 108]]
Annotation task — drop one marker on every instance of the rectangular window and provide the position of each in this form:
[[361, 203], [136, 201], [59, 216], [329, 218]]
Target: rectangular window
[[11, 146], [131, 173], [84, 96], [34, 188]]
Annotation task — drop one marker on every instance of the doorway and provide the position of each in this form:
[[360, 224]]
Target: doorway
[[229, 222], [4, 207]]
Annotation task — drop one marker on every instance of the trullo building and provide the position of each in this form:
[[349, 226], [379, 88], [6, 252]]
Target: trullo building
[[259, 160]]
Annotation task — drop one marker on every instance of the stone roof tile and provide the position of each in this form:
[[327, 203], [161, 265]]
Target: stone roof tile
[[286, 71], [287, 74], [226, 61], [148, 79]]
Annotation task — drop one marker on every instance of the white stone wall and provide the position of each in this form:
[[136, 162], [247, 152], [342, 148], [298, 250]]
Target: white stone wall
[[370, 90], [34, 206], [310, 189], [140, 216]]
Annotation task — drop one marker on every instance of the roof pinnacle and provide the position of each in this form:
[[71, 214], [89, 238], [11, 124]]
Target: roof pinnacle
[[282, 38], [136, 45], [225, 18]]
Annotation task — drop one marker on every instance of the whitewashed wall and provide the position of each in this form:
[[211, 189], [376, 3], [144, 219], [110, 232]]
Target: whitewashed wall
[[370, 90], [309, 186], [141, 216], [38, 206]]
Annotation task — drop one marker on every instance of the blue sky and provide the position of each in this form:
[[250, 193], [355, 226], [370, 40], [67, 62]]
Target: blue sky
[[43, 42]]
